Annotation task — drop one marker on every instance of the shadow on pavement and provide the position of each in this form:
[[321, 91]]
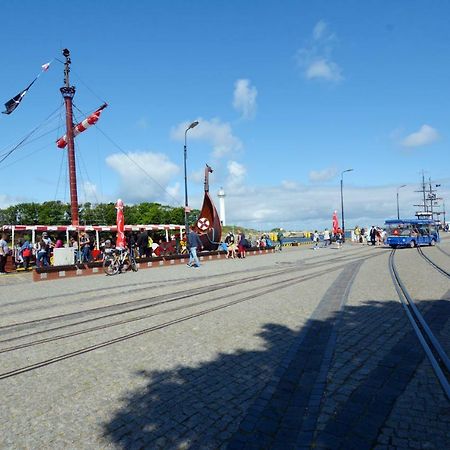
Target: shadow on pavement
[[332, 384]]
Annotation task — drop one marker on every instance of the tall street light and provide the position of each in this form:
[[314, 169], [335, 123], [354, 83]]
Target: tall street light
[[186, 207], [342, 202], [398, 207]]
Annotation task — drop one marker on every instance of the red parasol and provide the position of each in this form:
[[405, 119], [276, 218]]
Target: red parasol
[[335, 223], [120, 241]]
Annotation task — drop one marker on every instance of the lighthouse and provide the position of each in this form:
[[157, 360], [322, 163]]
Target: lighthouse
[[221, 195]]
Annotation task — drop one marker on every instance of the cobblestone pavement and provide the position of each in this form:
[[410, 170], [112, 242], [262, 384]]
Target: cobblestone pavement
[[297, 349]]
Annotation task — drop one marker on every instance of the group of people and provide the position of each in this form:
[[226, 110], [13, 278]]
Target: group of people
[[374, 236], [235, 247], [328, 236], [86, 249]]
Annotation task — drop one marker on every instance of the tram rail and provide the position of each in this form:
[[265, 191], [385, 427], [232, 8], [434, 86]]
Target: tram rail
[[442, 250], [432, 263], [274, 287], [169, 300], [438, 358], [143, 286], [164, 299], [122, 305]]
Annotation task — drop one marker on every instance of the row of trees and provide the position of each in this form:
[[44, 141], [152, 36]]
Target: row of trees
[[58, 213]]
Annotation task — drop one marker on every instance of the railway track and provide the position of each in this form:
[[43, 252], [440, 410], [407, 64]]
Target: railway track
[[432, 263], [119, 311], [144, 286], [433, 349], [275, 286], [442, 250]]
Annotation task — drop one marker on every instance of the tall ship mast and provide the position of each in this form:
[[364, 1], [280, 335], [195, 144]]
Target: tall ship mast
[[430, 206], [68, 92]]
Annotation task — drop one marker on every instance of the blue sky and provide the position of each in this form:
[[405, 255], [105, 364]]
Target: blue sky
[[287, 95]]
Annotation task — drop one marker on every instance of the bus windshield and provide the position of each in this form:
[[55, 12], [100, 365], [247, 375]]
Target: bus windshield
[[411, 229]]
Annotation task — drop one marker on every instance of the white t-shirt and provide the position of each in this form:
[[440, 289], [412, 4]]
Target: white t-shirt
[[4, 250]]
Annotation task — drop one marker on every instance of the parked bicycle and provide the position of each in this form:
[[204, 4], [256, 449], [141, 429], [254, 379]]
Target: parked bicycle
[[118, 260]]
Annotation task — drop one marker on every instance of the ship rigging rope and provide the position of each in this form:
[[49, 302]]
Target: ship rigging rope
[[177, 201], [22, 141], [61, 171]]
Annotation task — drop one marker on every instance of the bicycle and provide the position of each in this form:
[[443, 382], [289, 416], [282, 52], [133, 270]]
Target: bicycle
[[117, 259]]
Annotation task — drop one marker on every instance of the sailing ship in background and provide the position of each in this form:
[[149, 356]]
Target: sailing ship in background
[[430, 207], [208, 225]]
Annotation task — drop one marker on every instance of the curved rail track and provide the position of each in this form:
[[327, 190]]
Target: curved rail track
[[442, 250], [433, 349], [432, 263]]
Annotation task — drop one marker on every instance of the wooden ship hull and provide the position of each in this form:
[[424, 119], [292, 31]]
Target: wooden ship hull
[[208, 226]]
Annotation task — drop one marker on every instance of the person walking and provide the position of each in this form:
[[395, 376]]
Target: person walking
[[326, 238], [4, 251], [242, 243], [194, 242], [373, 235], [316, 240], [357, 234], [339, 235], [280, 237]]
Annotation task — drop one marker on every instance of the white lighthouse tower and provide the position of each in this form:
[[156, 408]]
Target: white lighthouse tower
[[221, 195]]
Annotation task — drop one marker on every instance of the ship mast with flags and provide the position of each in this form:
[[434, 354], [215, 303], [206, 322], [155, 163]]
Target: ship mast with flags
[[430, 206], [72, 130], [68, 92]]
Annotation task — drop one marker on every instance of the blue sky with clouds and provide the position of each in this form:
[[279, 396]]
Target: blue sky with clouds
[[287, 95]]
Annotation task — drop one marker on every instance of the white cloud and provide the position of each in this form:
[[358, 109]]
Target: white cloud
[[90, 193], [236, 169], [290, 185], [322, 175], [315, 57], [321, 68], [145, 176], [244, 98], [8, 200], [306, 207], [218, 134], [425, 136], [319, 30], [236, 174]]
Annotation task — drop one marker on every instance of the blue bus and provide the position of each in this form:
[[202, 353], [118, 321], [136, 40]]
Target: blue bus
[[411, 232]]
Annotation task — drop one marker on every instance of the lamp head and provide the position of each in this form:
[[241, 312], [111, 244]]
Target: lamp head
[[193, 125], [66, 53]]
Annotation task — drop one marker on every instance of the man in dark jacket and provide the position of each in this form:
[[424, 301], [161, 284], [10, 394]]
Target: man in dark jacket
[[194, 243], [373, 235], [142, 243]]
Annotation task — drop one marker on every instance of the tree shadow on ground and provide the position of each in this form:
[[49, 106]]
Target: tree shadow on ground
[[242, 400]]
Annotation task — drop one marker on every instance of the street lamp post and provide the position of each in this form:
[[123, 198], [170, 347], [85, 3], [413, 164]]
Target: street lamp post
[[398, 207], [192, 125], [342, 202]]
